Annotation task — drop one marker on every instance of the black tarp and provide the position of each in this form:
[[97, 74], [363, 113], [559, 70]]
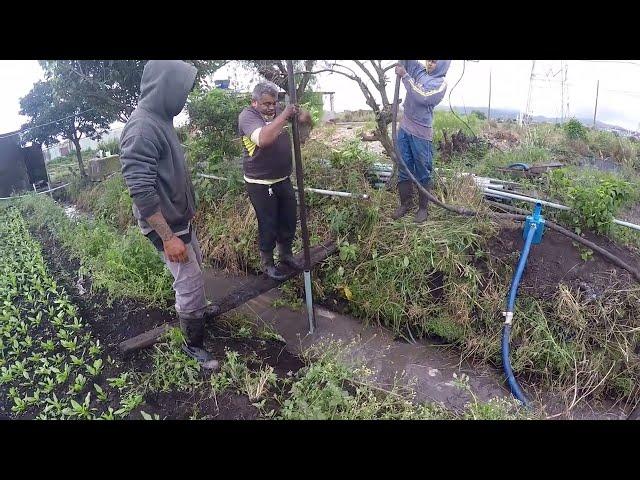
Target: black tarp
[[34, 161], [13, 172]]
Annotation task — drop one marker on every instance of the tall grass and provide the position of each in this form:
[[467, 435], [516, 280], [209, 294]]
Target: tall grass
[[125, 265]]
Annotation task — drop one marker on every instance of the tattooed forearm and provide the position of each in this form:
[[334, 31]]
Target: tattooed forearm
[[159, 224]]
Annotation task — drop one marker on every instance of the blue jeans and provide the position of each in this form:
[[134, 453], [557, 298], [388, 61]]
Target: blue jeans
[[418, 156]]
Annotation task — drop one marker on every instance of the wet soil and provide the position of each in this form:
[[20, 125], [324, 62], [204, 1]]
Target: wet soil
[[557, 260]]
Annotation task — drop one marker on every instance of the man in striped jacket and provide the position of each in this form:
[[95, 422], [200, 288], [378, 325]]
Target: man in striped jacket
[[425, 86]]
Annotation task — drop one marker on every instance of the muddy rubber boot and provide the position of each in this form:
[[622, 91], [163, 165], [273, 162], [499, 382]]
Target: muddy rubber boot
[[269, 268], [423, 202], [211, 311], [285, 255], [193, 330], [405, 191]]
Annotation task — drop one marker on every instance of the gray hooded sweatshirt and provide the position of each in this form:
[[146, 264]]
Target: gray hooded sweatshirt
[[424, 91], [153, 163]]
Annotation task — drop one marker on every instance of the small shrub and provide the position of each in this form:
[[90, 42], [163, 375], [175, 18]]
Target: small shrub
[[574, 130], [594, 196]]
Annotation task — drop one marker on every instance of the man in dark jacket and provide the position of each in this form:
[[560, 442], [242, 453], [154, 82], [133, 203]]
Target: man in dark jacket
[[267, 165], [425, 86], [154, 169]]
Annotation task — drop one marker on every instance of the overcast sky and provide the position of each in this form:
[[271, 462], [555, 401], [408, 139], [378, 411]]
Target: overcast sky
[[618, 102]]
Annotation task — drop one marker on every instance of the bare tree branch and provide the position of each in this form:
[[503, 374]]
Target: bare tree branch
[[306, 77], [384, 114], [370, 99], [386, 69], [329, 70], [266, 69], [336, 64], [368, 73], [382, 85]]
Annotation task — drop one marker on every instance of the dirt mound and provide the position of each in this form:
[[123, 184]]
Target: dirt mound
[[501, 139], [556, 260]]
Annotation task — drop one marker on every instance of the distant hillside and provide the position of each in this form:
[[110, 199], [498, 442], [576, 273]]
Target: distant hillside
[[509, 114]]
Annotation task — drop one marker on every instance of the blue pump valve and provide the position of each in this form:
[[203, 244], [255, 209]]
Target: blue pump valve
[[537, 219]]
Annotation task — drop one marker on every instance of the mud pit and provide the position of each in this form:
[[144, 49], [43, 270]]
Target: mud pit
[[556, 260]]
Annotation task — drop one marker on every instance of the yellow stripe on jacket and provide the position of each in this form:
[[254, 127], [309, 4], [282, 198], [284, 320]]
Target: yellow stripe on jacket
[[249, 145]]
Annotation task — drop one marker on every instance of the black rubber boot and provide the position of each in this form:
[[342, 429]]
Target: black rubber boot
[[423, 202], [269, 267], [211, 311], [285, 255], [193, 330], [405, 191]]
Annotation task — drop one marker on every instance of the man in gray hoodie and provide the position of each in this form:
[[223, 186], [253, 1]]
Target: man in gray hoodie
[[425, 85], [154, 169]]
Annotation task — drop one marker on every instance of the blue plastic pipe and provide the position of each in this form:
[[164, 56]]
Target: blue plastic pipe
[[524, 166], [506, 330], [517, 276]]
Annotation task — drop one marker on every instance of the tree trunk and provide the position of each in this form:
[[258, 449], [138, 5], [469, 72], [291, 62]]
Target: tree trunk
[[76, 143], [382, 133], [385, 140]]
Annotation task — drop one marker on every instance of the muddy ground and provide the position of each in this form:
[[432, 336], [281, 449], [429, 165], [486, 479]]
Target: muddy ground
[[556, 260]]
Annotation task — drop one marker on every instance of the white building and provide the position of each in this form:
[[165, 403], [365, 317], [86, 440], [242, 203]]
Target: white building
[[66, 147]]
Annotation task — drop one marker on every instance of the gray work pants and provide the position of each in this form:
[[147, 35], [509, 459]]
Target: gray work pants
[[188, 281]]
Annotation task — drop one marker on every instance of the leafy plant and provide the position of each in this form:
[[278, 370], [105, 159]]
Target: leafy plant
[[120, 382], [595, 197], [112, 146], [78, 384], [575, 130], [95, 369]]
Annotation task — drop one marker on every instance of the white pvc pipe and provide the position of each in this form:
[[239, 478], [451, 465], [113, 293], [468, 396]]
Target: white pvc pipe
[[503, 194], [626, 224], [212, 176], [480, 181], [321, 191], [38, 193], [335, 193], [524, 198]]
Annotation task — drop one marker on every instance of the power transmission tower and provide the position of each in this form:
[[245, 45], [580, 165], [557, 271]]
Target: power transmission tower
[[525, 116], [564, 95], [547, 78]]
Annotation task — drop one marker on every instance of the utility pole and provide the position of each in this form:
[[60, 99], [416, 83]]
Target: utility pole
[[489, 110], [595, 110], [561, 91], [566, 87]]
